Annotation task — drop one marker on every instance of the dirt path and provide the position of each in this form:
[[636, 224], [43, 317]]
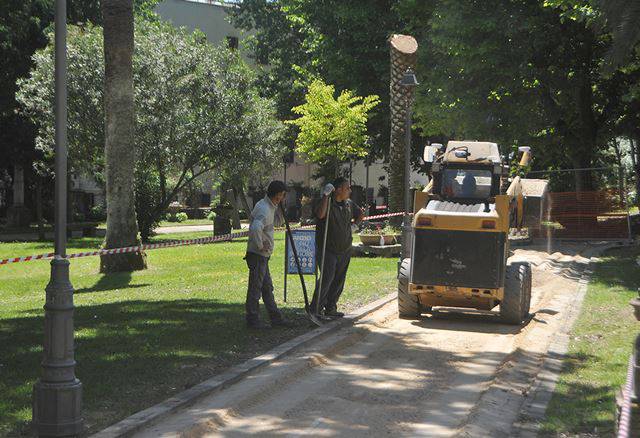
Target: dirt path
[[390, 377]]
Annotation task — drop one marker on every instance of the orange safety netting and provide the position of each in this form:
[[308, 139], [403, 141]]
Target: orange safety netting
[[587, 215]]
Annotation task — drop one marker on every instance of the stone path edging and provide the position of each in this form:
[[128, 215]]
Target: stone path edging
[[135, 422]]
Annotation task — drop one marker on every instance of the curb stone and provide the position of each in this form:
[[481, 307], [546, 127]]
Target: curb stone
[[533, 409], [137, 421]]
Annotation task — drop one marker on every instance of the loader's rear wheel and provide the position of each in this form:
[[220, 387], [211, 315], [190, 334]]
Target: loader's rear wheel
[[514, 308], [408, 305], [527, 288]]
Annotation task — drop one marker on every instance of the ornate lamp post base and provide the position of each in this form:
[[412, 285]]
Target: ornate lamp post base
[[57, 395], [56, 408]]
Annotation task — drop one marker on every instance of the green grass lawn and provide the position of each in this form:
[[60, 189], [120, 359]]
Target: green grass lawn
[[143, 336], [186, 223], [596, 367], [174, 224]]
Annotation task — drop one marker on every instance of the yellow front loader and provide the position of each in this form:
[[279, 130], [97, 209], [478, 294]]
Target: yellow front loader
[[460, 242]]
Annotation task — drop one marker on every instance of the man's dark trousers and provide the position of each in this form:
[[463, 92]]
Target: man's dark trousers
[[260, 285], [333, 277]]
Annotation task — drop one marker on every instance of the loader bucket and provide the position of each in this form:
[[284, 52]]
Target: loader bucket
[[534, 192]]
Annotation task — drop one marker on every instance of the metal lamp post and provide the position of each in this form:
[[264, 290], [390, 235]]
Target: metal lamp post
[[367, 163], [410, 82], [57, 395]]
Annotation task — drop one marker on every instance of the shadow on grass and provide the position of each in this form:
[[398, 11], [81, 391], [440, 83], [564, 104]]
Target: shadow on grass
[[618, 268], [579, 408], [114, 282], [132, 354]]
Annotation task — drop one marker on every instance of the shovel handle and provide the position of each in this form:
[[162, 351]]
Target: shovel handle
[[295, 256]]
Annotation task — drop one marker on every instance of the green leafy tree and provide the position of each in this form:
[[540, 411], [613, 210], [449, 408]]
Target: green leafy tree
[[622, 18], [522, 72], [23, 27], [332, 129], [345, 43], [197, 111]]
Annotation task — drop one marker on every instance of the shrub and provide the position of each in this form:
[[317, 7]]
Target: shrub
[[98, 212], [181, 217]]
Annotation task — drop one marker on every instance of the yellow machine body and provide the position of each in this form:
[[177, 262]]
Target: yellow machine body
[[460, 244]]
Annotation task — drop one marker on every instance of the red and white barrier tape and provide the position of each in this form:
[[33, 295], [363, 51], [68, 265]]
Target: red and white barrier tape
[[173, 243], [27, 258], [380, 216], [624, 430]]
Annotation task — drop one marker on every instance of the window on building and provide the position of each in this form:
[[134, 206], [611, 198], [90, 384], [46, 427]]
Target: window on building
[[205, 199], [232, 42]]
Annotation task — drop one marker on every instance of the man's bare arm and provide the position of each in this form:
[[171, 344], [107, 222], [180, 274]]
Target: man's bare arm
[[321, 211]]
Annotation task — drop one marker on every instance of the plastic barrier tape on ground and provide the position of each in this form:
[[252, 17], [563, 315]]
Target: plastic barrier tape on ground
[[624, 424], [173, 243]]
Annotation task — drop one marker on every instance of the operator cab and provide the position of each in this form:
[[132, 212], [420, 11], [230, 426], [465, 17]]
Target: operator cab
[[467, 172]]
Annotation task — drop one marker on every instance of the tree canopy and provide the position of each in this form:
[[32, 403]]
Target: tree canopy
[[332, 130], [511, 71], [23, 28], [343, 43], [197, 110]]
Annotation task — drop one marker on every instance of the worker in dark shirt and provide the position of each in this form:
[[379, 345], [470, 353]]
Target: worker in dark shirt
[[338, 249]]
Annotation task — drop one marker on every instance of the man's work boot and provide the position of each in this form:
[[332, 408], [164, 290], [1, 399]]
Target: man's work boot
[[320, 316], [333, 314]]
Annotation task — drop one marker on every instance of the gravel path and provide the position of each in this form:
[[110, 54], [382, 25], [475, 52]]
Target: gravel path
[[390, 377]]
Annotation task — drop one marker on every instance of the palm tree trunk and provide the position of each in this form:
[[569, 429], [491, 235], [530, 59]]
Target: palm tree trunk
[[403, 56], [122, 229]]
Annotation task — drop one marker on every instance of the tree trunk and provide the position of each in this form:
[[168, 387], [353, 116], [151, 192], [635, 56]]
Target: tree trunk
[[587, 132], [122, 229], [621, 188], [583, 178], [403, 56], [235, 216], [41, 233], [635, 159], [243, 199]]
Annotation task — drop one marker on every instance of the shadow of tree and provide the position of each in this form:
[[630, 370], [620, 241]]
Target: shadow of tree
[[133, 354], [618, 268], [114, 282], [581, 408]]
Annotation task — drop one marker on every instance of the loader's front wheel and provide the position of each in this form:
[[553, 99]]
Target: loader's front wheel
[[514, 307], [408, 305]]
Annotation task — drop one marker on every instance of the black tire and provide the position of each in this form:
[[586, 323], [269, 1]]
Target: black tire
[[408, 305], [527, 290], [514, 308]]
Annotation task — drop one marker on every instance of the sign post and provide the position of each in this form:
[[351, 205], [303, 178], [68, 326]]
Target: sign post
[[305, 242]]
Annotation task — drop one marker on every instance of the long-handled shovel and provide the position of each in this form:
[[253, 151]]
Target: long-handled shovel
[[311, 316], [324, 251]]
